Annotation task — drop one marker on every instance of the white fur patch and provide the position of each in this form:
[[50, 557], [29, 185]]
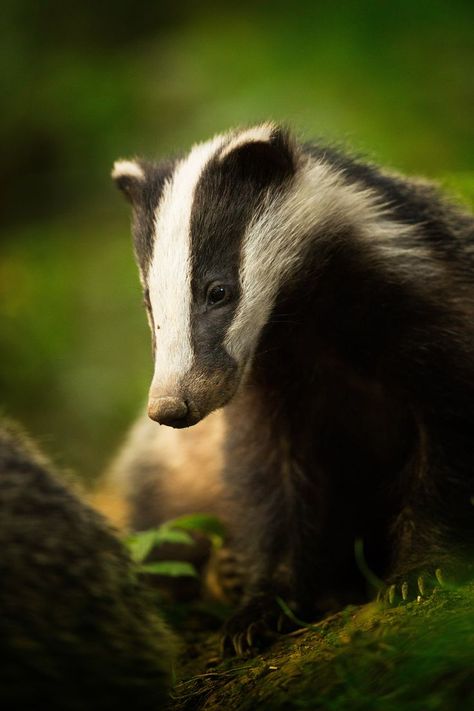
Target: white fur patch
[[169, 277], [256, 134], [127, 168], [320, 202]]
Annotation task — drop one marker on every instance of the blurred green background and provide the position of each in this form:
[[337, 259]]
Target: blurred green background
[[85, 83]]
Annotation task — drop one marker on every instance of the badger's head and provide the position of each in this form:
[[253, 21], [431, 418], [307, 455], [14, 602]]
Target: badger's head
[[203, 243]]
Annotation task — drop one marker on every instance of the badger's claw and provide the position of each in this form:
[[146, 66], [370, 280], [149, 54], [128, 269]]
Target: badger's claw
[[239, 644], [414, 586], [254, 626]]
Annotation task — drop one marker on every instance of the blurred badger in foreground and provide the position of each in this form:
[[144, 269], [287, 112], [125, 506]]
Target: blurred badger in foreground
[[327, 306], [76, 629]]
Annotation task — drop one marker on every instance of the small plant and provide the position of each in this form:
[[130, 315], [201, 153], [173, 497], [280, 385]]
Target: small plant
[[177, 531]]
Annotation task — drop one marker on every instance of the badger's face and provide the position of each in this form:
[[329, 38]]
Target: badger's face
[[205, 272]]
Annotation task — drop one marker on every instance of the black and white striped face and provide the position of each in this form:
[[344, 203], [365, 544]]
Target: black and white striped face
[[220, 233], [204, 273]]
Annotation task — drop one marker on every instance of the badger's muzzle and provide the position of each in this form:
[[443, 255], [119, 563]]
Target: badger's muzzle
[[167, 410], [172, 411], [183, 400]]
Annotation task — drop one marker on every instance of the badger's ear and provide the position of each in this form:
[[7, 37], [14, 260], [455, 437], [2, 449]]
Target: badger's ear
[[130, 178], [265, 155]]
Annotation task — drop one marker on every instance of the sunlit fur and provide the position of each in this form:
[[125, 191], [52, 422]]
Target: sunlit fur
[[127, 168], [319, 199], [161, 473]]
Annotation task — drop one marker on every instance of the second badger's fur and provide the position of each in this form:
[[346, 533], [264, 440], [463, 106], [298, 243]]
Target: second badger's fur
[[78, 630], [162, 473], [327, 306]]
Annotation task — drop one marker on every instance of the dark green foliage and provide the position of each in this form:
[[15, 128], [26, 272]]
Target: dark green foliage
[[77, 630]]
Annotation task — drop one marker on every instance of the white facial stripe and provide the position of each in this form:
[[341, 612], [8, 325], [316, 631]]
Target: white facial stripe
[[274, 244], [251, 135], [127, 168], [169, 277]]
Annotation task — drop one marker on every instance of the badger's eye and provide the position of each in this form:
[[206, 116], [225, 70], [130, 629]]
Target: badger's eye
[[216, 294]]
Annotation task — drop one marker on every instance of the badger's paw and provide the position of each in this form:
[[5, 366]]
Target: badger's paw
[[254, 626], [413, 586]]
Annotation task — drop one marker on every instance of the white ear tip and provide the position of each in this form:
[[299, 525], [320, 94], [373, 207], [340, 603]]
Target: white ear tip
[[256, 134], [127, 168]]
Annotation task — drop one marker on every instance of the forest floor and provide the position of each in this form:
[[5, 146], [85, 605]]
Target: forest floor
[[418, 656]]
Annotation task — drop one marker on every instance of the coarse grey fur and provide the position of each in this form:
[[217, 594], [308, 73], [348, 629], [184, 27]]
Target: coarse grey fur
[[77, 630]]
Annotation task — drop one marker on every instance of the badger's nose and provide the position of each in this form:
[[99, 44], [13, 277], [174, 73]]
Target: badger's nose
[[172, 411]]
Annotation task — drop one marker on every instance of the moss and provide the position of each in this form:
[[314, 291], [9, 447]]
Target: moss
[[412, 657]]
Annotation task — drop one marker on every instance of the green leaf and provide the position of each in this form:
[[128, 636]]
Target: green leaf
[[205, 523], [361, 562], [171, 568], [289, 613], [166, 534], [140, 545]]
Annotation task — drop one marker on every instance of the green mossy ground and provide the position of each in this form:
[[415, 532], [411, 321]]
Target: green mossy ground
[[418, 656]]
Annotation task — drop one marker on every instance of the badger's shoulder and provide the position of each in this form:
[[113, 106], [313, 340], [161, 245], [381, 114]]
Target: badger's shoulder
[[411, 200]]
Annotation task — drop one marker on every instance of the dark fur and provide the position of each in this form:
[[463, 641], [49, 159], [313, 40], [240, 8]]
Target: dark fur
[[357, 419], [76, 629], [144, 196]]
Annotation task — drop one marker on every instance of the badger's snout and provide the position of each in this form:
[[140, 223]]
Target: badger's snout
[[172, 411], [182, 400]]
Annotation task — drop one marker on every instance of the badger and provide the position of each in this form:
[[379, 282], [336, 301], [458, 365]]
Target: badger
[[77, 629], [324, 306]]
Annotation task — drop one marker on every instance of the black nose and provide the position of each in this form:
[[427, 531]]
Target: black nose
[[171, 411]]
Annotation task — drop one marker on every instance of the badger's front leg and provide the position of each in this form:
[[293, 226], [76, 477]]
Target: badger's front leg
[[260, 536], [275, 514], [260, 616]]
